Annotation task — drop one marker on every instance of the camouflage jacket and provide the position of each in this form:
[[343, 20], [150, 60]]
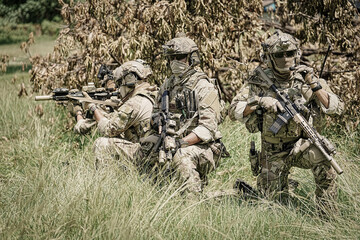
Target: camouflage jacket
[[204, 122], [131, 120], [298, 91]]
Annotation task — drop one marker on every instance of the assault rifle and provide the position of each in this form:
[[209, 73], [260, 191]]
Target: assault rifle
[[98, 95], [166, 144], [292, 111]]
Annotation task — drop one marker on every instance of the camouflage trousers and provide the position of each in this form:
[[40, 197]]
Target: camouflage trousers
[[192, 164], [276, 160], [110, 149]]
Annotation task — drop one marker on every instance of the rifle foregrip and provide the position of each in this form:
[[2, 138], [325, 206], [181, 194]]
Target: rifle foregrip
[[44, 98]]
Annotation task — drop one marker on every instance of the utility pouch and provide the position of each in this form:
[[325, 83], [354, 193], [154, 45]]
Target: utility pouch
[[254, 157], [170, 143]]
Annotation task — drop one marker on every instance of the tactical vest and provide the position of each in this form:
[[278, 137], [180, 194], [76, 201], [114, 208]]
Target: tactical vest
[[262, 120], [183, 101]]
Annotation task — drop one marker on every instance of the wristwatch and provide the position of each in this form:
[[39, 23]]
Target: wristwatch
[[317, 88]]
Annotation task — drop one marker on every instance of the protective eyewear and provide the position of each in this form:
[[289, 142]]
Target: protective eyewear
[[284, 54], [177, 57]]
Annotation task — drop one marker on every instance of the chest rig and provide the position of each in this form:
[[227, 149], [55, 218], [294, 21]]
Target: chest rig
[[266, 120], [184, 102]]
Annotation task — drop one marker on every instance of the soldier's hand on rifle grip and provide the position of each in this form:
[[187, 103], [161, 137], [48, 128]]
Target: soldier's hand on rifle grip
[[271, 104]]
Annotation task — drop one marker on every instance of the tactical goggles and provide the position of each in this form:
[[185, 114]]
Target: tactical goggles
[[177, 57], [284, 54]]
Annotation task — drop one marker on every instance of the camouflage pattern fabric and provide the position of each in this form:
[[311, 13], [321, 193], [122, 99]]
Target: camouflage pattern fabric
[[108, 149], [289, 147], [124, 127], [84, 126], [192, 163]]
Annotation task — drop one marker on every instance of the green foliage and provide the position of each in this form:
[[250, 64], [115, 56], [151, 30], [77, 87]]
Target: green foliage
[[29, 11], [50, 28], [13, 33]]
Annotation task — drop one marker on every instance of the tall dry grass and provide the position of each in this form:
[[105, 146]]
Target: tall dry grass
[[49, 188]]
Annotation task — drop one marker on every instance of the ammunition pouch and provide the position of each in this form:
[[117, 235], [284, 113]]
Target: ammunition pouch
[[187, 103], [255, 121]]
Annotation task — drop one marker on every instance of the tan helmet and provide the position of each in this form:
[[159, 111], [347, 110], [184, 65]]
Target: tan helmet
[[182, 46], [280, 45], [138, 68]]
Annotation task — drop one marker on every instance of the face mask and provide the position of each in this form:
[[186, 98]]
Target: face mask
[[124, 90], [178, 67]]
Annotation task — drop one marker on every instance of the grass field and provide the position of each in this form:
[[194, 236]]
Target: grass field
[[49, 188]]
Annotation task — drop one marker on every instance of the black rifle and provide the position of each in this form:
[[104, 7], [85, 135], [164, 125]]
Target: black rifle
[[292, 111], [166, 144], [97, 96]]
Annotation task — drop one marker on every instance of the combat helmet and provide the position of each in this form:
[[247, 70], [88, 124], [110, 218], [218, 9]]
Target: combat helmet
[[280, 46], [182, 45], [130, 72]]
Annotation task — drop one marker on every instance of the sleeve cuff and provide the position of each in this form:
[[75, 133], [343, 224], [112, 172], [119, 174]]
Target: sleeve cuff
[[203, 133], [239, 110], [334, 105]]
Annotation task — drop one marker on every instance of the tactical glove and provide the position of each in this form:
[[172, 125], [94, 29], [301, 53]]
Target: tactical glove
[[306, 72], [308, 75], [270, 104]]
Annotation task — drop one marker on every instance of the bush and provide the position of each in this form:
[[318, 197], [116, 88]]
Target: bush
[[50, 28], [29, 11], [14, 33]]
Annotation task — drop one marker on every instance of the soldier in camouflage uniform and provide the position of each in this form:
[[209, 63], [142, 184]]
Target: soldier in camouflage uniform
[[195, 109], [256, 105], [123, 128], [83, 124]]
